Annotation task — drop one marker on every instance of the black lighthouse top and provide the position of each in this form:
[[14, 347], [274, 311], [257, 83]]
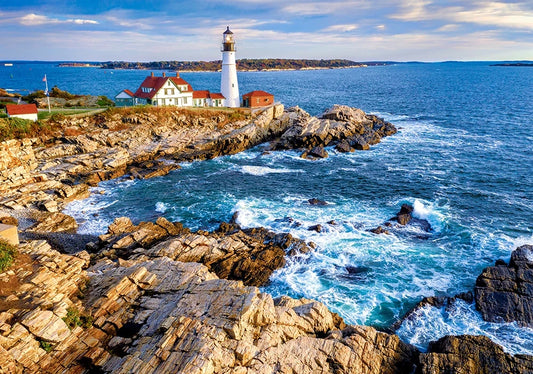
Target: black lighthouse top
[[228, 44]]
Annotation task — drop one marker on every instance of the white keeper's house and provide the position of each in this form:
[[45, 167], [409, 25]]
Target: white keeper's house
[[164, 90], [169, 91]]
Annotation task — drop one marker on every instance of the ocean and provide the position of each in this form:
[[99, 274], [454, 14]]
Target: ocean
[[463, 157]]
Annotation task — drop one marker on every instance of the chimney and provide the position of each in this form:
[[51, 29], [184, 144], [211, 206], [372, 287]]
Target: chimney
[[177, 74], [152, 74], [164, 74]]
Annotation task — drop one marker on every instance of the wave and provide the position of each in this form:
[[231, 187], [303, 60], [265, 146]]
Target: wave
[[264, 170], [430, 323]]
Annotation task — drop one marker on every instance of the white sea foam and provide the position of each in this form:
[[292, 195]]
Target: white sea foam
[[460, 318], [161, 207], [263, 170]]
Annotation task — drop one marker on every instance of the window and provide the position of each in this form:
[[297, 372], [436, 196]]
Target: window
[[184, 100], [257, 100]]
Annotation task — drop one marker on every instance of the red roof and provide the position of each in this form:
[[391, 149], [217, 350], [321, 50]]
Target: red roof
[[155, 84], [21, 109], [129, 92], [201, 94], [256, 94], [217, 95]]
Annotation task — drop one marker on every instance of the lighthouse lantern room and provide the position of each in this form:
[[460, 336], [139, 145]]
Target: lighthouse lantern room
[[229, 87]]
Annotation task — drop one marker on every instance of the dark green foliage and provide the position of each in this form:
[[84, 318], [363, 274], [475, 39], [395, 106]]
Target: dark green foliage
[[18, 128], [39, 94], [7, 255], [244, 64], [104, 101], [47, 346], [74, 318], [56, 92]]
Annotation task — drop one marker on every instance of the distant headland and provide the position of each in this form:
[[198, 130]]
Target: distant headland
[[529, 64], [267, 64]]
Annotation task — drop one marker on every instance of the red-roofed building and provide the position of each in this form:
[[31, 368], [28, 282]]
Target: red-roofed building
[[256, 99], [206, 98], [25, 111], [164, 91], [125, 98]]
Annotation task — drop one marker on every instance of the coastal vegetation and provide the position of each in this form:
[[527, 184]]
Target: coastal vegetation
[[243, 64], [65, 99], [7, 255], [56, 122]]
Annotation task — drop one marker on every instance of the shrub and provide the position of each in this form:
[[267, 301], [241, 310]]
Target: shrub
[[7, 255], [47, 346], [105, 101], [74, 318], [56, 92], [39, 94]]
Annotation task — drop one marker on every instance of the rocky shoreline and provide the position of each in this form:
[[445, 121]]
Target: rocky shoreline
[[156, 297]]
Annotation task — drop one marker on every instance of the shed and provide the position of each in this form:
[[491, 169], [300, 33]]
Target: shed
[[24, 111], [125, 98], [256, 99]]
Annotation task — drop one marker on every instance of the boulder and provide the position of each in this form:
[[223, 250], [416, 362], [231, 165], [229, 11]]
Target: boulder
[[404, 216], [54, 222], [315, 152], [315, 201], [344, 147], [471, 354], [505, 292]]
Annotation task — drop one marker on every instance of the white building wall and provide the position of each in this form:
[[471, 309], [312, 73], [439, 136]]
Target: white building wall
[[229, 86], [31, 116]]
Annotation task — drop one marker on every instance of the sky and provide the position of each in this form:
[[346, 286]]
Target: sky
[[359, 30]]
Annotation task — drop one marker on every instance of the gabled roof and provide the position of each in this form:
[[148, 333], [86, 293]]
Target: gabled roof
[[205, 94], [128, 92], [21, 109], [156, 83], [200, 94], [180, 82], [257, 93]]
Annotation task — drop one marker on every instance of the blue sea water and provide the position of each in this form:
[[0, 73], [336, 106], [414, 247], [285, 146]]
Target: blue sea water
[[463, 157]]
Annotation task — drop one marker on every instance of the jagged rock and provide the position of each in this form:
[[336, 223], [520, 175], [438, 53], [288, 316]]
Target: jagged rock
[[9, 220], [54, 222], [45, 325], [315, 201], [316, 152], [344, 146], [346, 127], [379, 230], [505, 292], [473, 355], [318, 228], [404, 216]]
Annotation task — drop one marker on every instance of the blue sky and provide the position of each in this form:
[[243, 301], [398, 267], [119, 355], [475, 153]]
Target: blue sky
[[360, 30]]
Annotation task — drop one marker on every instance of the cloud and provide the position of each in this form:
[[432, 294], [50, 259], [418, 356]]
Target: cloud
[[381, 27], [448, 27], [33, 19], [341, 28], [308, 8], [487, 13]]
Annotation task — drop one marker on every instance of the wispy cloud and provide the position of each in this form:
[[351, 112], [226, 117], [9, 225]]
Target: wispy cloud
[[488, 13], [308, 8], [33, 19], [341, 28]]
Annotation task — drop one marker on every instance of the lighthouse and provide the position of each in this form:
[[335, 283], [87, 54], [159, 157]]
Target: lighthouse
[[229, 87]]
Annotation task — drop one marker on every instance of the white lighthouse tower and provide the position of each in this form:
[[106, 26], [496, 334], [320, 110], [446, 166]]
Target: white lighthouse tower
[[229, 87]]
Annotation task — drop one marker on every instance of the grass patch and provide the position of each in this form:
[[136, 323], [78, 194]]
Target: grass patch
[[7, 255], [75, 318], [47, 346]]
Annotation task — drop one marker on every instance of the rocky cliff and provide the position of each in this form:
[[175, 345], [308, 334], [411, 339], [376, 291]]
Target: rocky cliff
[[156, 297]]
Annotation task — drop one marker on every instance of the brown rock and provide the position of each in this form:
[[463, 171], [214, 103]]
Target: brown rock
[[505, 292], [54, 222], [473, 355]]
